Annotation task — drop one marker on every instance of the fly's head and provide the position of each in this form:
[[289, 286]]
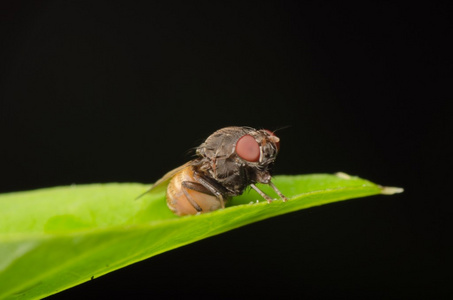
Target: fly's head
[[257, 151]]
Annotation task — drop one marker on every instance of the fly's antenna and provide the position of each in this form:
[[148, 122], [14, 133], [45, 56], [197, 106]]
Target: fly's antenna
[[283, 127]]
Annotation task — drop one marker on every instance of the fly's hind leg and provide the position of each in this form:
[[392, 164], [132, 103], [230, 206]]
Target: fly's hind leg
[[196, 187], [212, 188]]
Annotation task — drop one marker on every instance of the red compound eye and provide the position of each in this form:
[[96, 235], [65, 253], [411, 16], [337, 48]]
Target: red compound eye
[[277, 142], [247, 148]]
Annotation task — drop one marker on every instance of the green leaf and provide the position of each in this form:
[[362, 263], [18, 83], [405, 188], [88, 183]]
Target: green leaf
[[55, 238]]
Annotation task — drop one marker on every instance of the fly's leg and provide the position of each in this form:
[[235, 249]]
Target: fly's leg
[[189, 198], [196, 187], [278, 191], [209, 186], [269, 199]]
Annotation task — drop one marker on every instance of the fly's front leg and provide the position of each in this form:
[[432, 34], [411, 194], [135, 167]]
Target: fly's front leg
[[278, 191], [265, 196], [269, 199]]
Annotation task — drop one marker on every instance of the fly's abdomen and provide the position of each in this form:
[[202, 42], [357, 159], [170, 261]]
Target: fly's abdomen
[[183, 198]]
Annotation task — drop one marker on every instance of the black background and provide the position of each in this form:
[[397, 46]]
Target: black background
[[114, 92]]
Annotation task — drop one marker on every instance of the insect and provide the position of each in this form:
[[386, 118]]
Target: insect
[[230, 160]]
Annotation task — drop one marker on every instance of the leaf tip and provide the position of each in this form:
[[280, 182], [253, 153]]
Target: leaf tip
[[390, 190], [343, 175]]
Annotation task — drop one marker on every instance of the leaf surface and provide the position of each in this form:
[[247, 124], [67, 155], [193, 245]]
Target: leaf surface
[[55, 238]]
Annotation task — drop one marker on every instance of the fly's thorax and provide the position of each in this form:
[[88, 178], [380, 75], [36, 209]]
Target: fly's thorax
[[221, 143]]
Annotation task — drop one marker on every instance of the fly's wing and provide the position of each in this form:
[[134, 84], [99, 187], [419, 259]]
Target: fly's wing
[[168, 176], [163, 182]]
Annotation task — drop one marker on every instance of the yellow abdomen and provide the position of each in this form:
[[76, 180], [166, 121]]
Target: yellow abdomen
[[177, 199]]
